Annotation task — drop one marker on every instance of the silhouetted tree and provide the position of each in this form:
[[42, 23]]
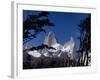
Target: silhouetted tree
[[34, 24], [85, 40]]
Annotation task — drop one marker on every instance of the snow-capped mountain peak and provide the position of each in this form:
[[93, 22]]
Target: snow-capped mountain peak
[[50, 39], [69, 47], [54, 48]]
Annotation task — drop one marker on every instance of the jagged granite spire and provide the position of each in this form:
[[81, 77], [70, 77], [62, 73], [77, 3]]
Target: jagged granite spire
[[69, 47], [50, 39]]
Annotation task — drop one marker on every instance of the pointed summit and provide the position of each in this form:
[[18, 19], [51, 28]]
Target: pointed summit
[[69, 46], [71, 39], [50, 39], [70, 42]]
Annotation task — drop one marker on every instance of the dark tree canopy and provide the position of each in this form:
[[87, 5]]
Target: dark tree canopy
[[34, 24], [85, 34], [85, 38]]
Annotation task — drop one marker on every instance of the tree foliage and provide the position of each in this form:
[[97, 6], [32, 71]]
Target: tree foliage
[[34, 24], [85, 40]]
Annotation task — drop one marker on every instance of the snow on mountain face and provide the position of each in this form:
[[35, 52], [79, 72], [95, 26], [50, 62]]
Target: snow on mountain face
[[34, 53], [57, 46], [45, 52], [50, 39], [69, 46]]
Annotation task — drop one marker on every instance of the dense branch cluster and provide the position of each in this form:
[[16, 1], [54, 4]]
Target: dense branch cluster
[[34, 24]]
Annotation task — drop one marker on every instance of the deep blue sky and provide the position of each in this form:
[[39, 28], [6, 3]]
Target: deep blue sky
[[66, 26]]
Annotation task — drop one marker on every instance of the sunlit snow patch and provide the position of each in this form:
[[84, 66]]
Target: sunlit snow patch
[[34, 53]]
